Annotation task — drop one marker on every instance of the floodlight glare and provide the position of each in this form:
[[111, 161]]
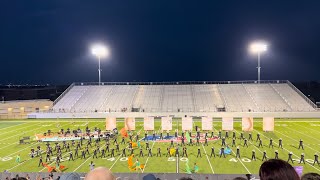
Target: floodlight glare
[[99, 51], [257, 48]]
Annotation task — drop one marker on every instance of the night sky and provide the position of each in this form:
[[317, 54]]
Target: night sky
[[48, 41]]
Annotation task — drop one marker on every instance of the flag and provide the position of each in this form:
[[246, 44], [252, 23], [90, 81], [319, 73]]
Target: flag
[[124, 132], [188, 136]]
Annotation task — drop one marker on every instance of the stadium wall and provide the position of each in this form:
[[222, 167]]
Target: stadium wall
[[315, 114]]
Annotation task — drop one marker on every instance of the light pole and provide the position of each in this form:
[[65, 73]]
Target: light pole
[[100, 51], [258, 47]]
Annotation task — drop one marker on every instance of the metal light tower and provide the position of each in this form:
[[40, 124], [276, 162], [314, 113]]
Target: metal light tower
[[100, 51], [258, 48]]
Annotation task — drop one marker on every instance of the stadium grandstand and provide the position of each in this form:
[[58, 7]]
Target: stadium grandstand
[[242, 96]]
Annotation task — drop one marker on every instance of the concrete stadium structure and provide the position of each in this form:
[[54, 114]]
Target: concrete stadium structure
[[216, 99]]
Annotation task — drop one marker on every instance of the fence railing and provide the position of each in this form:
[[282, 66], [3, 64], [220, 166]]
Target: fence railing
[[178, 82], [301, 94], [64, 93]]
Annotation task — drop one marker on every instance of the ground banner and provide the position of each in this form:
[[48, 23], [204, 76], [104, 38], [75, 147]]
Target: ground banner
[[148, 123], [130, 124], [166, 123], [268, 124], [227, 123], [247, 124], [206, 123], [186, 123], [110, 123]]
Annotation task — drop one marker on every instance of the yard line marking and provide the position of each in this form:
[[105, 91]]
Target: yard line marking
[[307, 128], [303, 134], [145, 165], [91, 156], [9, 145], [22, 133], [208, 159], [18, 128], [238, 158], [288, 151], [126, 147], [12, 126]]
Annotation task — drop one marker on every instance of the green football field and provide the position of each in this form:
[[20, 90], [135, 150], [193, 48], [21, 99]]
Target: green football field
[[287, 129]]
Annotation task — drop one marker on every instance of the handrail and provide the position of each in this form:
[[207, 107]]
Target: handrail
[[64, 93], [180, 82], [302, 95]]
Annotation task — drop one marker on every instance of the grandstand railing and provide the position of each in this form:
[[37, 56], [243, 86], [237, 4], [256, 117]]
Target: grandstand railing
[[302, 95], [178, 82], [64, 93]]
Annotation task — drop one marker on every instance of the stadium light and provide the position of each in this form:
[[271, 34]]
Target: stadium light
[[100, 51], [258, 47]]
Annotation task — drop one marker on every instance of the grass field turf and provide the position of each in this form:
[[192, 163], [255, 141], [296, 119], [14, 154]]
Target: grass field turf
[[289, 131]]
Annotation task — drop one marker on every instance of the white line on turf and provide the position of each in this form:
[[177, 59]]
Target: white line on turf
[[303, 134], [288, 151], [208, 159], [8, 145], [238, 158], [120, 154], [145, 165], [308, 128], [12, 126], [21, 134], [18, 129]]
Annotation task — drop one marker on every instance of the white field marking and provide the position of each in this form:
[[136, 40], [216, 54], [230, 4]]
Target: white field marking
[[18, 129], [308, 128], [208, 159], [297, 141], [21, 133], [304, 134], [238, 158], [25, 160], [289, 151], [120, 154], [8, 145], [12, 126], [250, 142], [177, 167], [89, 158], [145, 165]]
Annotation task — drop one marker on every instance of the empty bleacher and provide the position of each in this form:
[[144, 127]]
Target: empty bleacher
[[231, 97]]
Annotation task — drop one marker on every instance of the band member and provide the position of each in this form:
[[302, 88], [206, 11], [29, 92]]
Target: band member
[[260, 143], [271, 143], [276, 154], [253, 156], [302, 158], [149, 152], [238, 152], [250, 137], [123, 141], [168, 152], [199, 152], [245, 143], [301, 144], [223, 141], [258, 137], [103, 153], [212, 152], [264, 157], [206, 142], [222, 152], [83, 154], [280, 143], [227, 134], [147, 145], [233, 142], [159, 152], [316, 157], [290, 157], [40, 161], [141, 153], [71, 156], [124, 152], [95, 154], [112, 152]]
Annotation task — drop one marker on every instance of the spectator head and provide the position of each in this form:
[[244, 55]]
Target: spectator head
[[310, 176], [70, 176], [100, 173], [240, 178], [277, 170], [149, 177]]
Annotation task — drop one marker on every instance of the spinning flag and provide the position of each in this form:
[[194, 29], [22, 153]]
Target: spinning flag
[[124, 132], [188, 136]]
